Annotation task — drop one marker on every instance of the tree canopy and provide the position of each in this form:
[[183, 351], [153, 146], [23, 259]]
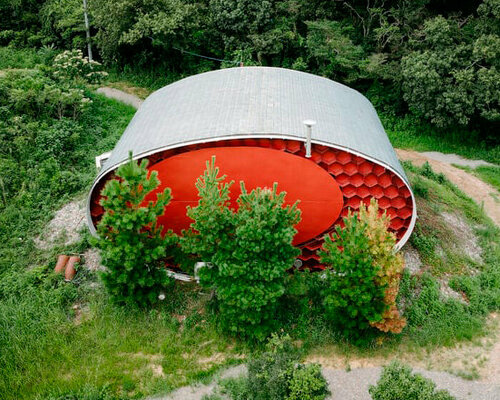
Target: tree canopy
[[436, 59]]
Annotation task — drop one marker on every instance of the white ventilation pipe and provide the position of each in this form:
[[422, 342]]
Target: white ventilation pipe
[[309, 123]]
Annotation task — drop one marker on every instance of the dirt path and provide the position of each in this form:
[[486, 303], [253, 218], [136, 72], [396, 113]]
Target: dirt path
[[455, 159], [120, 95], [473, 187]]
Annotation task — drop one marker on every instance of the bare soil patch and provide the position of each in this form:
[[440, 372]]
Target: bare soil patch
[[120, 95], [64, 227], [468, 241]]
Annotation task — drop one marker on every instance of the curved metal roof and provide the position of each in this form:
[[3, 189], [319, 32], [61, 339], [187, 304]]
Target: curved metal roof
[[255, 102]]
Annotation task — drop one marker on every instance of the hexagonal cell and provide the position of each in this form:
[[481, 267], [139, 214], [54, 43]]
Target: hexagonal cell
[[371, 180], [323, 165], [96, 210], [320, 148], [316, 157], [404, 192], [384, 202], [253, 142], [366, 201], [391, 192], [363, 192], [398, 202], [385, 180], [392, 212], [396, 180], [365, 168], [377, 191], [378, 169], [396, 223], [278, 144], [358, 159], [353, 202], [342, 179], [343, 157], [357, 180], [328, 157], [264, 143], [293, 146], [349, 191], [314, 245], [336, 169], [404, 212], [350, 168]]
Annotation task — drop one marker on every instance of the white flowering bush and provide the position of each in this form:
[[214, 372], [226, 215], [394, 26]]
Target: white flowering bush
[[37, 95], [71, 64]]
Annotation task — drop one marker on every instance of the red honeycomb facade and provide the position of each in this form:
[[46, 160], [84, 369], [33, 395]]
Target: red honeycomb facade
[[360, 180]]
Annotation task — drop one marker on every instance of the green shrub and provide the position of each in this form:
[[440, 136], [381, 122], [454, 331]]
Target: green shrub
[[398, 382], [276, 375], [420, 188], [248, 251], [269, 374], [307, 383], [131, 241], [362, 279]]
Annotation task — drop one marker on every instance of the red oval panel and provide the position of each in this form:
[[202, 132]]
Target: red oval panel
[[320, 197]]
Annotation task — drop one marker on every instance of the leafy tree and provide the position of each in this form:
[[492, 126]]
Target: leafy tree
[[133, 246], [391, 264], [333, 51], [363, 274], [452, 75], [19, 22], [248, 251], [63, 24], [137, 22]]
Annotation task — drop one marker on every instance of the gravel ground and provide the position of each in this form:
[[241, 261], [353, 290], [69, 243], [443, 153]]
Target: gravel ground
[[353, 385]]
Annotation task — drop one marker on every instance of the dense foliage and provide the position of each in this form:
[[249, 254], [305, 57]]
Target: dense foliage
[[247, 251], [436, 59], [41, 122], [361, 282], [276, 374], [132, 245], [398, 382]]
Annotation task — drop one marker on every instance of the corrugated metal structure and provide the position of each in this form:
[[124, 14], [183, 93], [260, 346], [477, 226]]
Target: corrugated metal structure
[[266, 107]]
